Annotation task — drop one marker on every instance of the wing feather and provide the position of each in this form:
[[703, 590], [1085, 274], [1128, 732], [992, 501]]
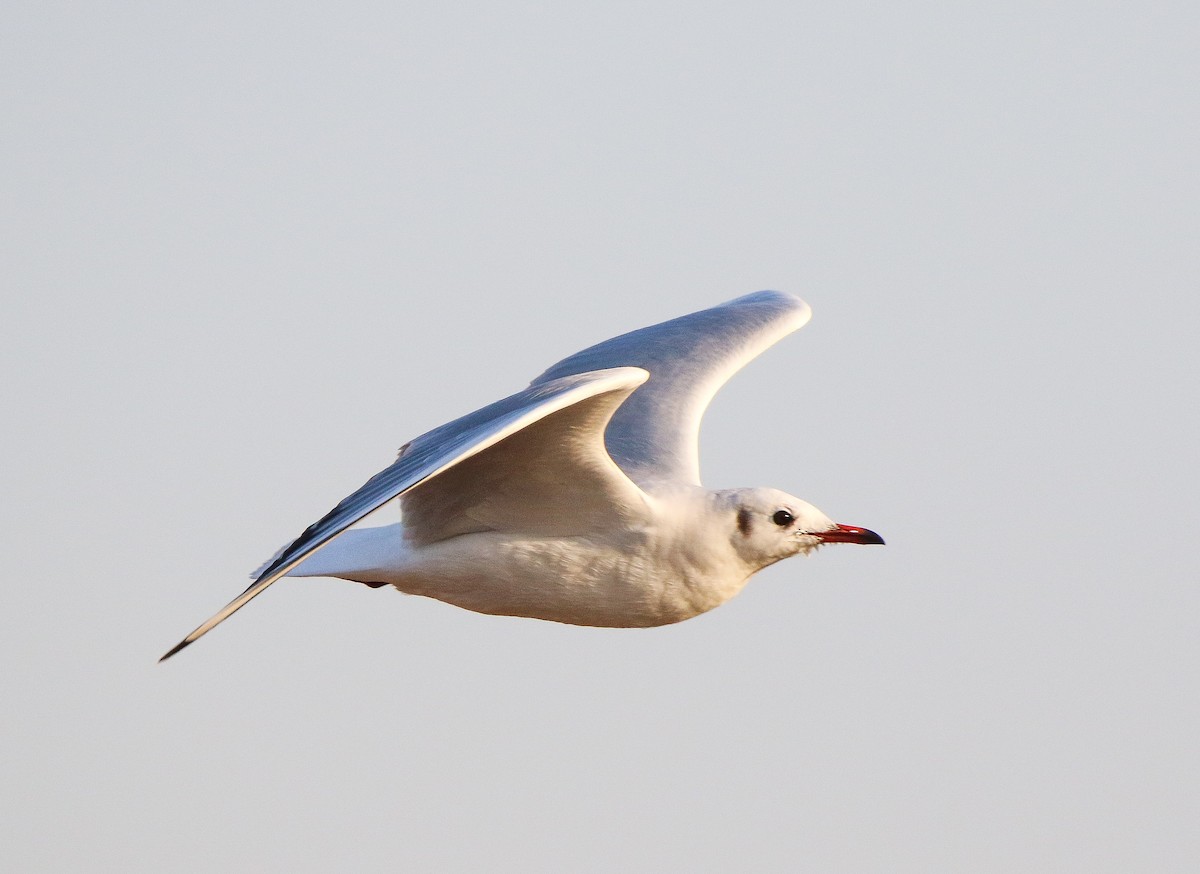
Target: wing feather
[[654, 435]]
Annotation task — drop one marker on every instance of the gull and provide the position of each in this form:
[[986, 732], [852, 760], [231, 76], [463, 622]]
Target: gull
[[577, 500]]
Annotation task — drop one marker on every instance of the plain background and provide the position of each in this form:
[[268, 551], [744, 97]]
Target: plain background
[[250, 249]]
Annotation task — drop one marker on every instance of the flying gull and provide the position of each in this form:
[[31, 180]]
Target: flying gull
[[577, 500]]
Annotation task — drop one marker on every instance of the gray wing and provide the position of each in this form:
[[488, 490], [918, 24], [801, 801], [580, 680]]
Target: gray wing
[[440, 450], [654, 435]]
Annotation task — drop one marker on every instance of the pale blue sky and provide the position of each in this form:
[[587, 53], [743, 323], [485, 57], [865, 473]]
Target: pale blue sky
[[248, 253]]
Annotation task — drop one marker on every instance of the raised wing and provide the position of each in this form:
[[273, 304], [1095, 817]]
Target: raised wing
[[552, 478], [654, 435], [441, 449]]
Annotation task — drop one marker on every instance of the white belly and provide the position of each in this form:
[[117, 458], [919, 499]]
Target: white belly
[[574, 580]]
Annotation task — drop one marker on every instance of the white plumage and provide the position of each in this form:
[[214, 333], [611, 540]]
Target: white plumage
[[578, 499]]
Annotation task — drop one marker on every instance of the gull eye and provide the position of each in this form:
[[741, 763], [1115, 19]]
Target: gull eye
[[783, 518]]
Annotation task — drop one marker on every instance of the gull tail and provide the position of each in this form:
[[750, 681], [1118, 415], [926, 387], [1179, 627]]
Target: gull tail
[[256, 589]]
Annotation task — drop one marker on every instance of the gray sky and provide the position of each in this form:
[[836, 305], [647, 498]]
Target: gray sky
[[247, 253]]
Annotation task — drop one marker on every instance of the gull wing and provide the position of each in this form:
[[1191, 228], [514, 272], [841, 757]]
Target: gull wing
[[552, 478], [654, 436], [577, 462]]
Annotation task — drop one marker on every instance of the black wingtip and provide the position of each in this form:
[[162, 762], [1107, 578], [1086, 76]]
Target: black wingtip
[[176, 648]]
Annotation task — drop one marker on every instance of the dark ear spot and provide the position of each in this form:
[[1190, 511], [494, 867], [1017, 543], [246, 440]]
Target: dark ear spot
[[744, 522]]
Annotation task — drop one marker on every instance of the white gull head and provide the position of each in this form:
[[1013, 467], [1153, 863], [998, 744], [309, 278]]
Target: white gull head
[[772, 525]]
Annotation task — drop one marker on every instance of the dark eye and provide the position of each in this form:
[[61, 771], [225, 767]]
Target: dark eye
[[783, 518]]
